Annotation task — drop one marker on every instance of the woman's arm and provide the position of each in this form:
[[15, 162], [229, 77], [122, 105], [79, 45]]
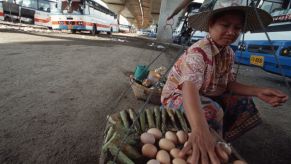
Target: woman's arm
[[242, 89], [202, 141], [271, 96]]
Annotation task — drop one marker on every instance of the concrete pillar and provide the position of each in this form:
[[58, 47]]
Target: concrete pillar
[[155, 18], [165, 32]]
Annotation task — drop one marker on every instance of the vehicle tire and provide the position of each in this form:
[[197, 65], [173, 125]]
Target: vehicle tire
[[73, 31], [6, 18], [109, 32], [94, 30]]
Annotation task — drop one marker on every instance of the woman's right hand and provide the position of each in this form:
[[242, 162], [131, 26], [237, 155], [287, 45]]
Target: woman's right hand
[[202, 143], [201, 140]]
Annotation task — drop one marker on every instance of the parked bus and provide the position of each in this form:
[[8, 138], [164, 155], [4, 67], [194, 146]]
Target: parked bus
[[257, 51], [28, 11], [1, 11], [182, 32], [124, 28], [46, 8], [84, 15]]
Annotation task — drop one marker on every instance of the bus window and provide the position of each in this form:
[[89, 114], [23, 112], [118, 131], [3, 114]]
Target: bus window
[[267, 6], [266, 49], [255, 2], [72, 7], [275, 8], [11, 1], [43, 5], [54, 8], [30, 3], [19, 2]]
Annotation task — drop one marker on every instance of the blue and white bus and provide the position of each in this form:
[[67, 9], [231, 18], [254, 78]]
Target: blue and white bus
[[257, 50]]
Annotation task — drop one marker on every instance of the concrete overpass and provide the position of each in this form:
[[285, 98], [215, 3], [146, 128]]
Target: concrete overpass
[[143, 13]]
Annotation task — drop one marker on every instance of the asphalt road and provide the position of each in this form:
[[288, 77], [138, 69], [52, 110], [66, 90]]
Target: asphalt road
[[56, 90]]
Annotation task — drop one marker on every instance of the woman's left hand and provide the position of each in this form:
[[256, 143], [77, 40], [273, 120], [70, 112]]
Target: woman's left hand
[[271, 96]]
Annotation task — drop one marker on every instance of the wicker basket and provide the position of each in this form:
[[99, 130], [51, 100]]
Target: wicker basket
[[141, 92], [172, 121]]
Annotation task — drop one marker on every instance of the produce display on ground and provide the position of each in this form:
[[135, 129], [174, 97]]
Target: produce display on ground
[[153, 136], [146, 82]]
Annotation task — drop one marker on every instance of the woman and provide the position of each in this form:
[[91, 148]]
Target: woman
[[203, 85]]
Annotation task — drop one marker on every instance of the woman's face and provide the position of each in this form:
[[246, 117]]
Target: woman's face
[[226, 29]]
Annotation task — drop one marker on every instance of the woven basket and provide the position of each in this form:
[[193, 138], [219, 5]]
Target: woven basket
[[172, 121], [141, 92]]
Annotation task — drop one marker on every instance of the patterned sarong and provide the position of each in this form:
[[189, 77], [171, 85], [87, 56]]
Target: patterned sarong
[[230, 115]]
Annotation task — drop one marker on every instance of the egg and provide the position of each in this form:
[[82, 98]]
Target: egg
[[189, 152], [222, 155], [166, 144], [175, 153], [186, 143], [147, 138], [182, 136], [178, 161], [149, 150], [156, 133], [189, 159], [163, 157], [226, 147], [239, 162], [171, 136], [153, 161]]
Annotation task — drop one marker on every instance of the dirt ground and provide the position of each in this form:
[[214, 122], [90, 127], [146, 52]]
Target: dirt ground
[[56, 90]]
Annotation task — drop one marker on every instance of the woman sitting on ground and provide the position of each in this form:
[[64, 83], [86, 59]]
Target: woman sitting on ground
[[202, 83]]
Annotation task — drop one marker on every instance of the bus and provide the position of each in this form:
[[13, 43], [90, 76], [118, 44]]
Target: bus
[[1, 11], [182, 32], [258, 51], [84, 15], [28, 11]]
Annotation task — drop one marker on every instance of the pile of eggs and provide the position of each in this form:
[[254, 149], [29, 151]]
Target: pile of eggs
[[166, 149], [167, 146]]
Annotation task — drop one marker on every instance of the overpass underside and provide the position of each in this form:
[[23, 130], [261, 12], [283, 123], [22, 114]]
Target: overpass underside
[[141, 13]]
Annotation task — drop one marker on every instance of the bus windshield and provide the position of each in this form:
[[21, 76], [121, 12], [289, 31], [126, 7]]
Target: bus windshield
[[72, 7], [276, 7]]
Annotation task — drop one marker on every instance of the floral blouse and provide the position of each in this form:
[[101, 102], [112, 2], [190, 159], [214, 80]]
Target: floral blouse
[[204, 64]]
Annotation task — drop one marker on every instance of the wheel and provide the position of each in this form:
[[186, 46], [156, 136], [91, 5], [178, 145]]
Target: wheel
[[6, 18], [94, 30], [109, 32], [73, 31]]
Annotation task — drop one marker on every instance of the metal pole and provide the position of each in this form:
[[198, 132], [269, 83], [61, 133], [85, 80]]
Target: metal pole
[[19, 14]]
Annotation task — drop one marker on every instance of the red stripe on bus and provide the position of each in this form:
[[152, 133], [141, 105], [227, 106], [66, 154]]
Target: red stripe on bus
[[55, 23], [97, 25], [88, 24], [84, 24], [102, 25], [66, 22], [42, 20], [1, 14]]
